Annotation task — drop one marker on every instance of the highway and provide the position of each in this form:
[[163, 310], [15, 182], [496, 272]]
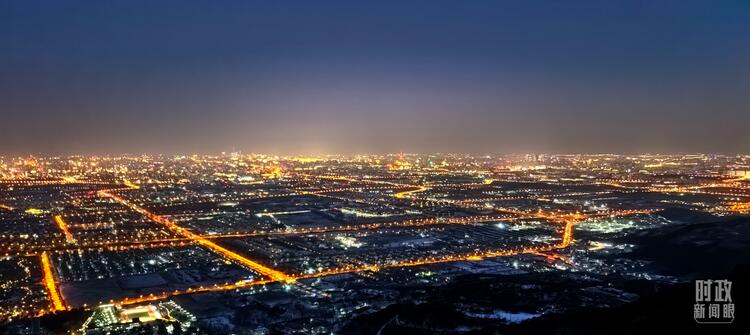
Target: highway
[[566, 240], [253, 265], [64, 228], [404, 194], [48, 278], [274, 276]]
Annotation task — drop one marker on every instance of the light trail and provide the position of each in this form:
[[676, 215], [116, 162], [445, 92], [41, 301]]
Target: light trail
[[169, 224], [369, 226], [130, 246], [49, 282], [213, 288], [404, 194], [400, 195], [64, 228], [96, 225], [81, 245], [740, 207], [130, 185], [293, 192], [567, 236], [43, 182], [494, 199]]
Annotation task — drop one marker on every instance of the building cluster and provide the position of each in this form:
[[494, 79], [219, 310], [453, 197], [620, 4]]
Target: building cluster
[[259, 243]]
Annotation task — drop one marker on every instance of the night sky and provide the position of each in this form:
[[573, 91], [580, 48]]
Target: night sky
[[112, 77]]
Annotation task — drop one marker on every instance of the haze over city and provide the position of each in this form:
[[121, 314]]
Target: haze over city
[[374, 167], [80, 77]]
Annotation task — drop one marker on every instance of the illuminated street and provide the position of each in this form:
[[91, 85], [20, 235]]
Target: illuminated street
[[374, 167], [170, 235]]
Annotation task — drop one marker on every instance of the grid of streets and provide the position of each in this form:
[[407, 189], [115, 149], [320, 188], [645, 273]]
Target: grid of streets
[[159, 227]]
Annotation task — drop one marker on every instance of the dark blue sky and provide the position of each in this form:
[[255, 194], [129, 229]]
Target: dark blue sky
[[377, 76]]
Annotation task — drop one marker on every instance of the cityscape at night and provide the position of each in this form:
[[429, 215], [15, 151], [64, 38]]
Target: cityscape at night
[[392, 167], [336, 244]]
